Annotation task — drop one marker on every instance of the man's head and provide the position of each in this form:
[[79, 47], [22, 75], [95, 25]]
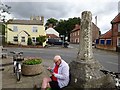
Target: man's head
[[57, 59]]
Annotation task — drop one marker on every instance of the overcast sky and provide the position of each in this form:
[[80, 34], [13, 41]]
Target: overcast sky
[[104, 10]]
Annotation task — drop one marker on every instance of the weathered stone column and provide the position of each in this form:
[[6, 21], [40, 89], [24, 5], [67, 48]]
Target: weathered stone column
[[86, 52], [85, 70]]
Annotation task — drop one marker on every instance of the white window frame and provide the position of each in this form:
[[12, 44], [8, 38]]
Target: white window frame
[[34, 39], [15, 29], [35, 29], [118, 43], [22, 39], [15, 39], [78, 32], [119, 27], [75, 33]]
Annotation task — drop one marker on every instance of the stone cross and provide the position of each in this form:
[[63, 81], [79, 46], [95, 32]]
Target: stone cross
[[85, 70], [86, 52]]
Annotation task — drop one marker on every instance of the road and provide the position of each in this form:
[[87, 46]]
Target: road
[[107, 58]]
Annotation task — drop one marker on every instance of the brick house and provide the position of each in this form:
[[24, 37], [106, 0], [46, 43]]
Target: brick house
[[116, 31], [111, 39], [75, 33]]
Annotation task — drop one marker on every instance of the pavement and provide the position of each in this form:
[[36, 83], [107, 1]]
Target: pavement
[[27, 82], [9, 80]]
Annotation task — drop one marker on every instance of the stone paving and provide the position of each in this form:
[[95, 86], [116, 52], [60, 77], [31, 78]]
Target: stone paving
[[27, 82], [9, 79]]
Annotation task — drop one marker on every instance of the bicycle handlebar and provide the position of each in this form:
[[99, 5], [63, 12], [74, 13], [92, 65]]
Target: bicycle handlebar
[[109, 72], [16, 53]]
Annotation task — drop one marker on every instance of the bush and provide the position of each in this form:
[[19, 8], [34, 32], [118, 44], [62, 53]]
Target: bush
[[32, 61], [40, 40], [29, 42]]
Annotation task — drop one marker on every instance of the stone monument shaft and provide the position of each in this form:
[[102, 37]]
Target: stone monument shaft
[[86, 52], [85, 70]]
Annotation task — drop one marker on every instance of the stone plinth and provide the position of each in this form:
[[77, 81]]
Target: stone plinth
[[87, 75]]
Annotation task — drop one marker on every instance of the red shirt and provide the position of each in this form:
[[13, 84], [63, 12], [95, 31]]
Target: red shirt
[[55, 71]]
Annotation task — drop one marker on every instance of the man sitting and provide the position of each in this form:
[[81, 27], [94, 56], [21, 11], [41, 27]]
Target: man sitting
[[59, 75]]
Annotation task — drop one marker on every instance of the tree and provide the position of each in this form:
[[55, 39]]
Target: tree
[[64, 27], [29, 42], [40, 40], [51, 21]]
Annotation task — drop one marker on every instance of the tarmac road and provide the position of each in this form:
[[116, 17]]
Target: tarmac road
[[107, 58]]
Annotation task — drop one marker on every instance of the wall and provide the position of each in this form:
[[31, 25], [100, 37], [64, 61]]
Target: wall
[[27, 28], [106, 47]]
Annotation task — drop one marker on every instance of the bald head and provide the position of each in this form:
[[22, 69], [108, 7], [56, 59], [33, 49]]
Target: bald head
[[57, 57]]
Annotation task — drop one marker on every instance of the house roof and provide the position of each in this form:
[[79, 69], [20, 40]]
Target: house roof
[[107, 35], [77, 27], [25, 32], [25, 22], [52, 31], [116, 19]]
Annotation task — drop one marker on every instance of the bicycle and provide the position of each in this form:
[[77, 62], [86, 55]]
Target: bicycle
[[17, 60], [116, 77]]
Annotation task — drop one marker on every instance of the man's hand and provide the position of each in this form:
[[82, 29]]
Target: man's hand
[[53, 74], [49, 68]]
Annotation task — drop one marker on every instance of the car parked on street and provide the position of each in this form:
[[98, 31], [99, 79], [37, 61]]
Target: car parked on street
[[57, 42]]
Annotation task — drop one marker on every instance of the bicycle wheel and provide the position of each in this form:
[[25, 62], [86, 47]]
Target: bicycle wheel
[[18, 73], [13, 69]]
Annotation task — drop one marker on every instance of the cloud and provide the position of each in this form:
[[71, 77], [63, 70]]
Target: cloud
[[26, 9], [105, 10]]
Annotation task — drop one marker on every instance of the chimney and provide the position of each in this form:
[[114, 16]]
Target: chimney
[[37, 17], [42, 19], [31, 17], [34, 18], [96, 20]]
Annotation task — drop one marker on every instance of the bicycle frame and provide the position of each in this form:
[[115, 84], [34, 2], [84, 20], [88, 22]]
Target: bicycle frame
[[17, 59]]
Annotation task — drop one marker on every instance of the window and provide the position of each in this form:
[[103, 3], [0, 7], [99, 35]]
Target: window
[[22, 39], [15, 29], [78, 32], [118, 41], [75, 33], [108, 42], [15, 39], [97, 41], [119, 27], [102, 41], [34, 29], [33, 39]]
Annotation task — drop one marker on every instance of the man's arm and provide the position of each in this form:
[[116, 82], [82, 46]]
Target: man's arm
[[65, 73]]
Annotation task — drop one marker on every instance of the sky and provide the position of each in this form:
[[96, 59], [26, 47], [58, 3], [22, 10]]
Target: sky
[[64, 9]]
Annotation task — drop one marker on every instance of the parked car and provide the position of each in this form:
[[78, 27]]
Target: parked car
[[57, 42]]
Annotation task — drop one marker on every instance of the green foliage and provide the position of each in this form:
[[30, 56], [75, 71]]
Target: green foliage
[[40, 40], [29, 42], [2, 29], [51, 21], [64, 27], [32, 61]]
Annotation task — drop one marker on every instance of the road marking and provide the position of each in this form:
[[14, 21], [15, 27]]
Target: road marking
[[113, 63]]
